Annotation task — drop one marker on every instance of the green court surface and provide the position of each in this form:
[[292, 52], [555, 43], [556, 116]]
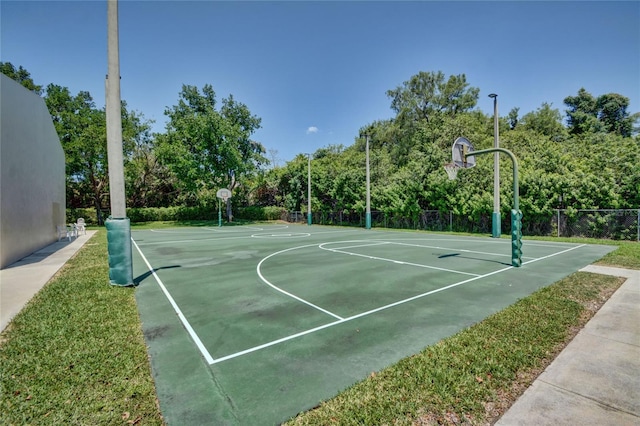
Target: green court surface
[[254, 324]]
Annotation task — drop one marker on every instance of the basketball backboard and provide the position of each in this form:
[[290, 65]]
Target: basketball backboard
[[460, 153], [223, 193]]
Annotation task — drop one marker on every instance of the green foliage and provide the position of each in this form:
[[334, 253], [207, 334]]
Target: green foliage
[[589, 170], [592, 163], [81, 128], [88, 214], [607, 113], [545, 121], [20, 75], [206, 148], [260, 213], [427, 93], [178, 213]]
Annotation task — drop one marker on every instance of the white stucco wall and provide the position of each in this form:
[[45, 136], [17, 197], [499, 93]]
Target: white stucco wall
[[32, 174]]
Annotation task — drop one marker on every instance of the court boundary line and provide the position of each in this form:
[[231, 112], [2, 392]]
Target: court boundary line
[[372, 311], [211, 361], [185, 323]]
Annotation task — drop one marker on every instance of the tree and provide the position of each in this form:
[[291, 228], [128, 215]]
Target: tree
[[513, 118], [582, 115], [81, 128], [607, 113], [427, 93], [206, 148], [546, 121], [20, 75], [612, 113]]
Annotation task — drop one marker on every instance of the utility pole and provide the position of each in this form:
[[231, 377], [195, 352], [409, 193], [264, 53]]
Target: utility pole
[[309, 220], [118, 226], [368, 208], [496, 220]]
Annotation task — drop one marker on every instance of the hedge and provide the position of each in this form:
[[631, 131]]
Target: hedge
[[152, 214]]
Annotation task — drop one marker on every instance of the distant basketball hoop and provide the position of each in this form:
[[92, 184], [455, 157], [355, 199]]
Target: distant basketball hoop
[[224, 194]]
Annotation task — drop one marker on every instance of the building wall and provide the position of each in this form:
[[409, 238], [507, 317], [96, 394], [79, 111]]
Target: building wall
[[32, 174]]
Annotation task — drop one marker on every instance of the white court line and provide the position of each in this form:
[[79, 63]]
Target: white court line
[[554, 254], [556, 245], [400, 262], [380, 243], [459, 250], [285, 292], [194, 241], [400, 302], [207, 356]]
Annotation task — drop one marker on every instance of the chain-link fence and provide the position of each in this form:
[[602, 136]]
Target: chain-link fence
[[608, 224]]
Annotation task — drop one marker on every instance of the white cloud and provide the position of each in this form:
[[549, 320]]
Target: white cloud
[[312, 129]]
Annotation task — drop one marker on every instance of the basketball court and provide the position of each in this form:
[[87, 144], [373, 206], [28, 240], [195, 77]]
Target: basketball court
[[254, 324]]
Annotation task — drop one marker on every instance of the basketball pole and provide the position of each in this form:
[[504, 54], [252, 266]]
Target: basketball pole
[[118, 226], [516, 214], [496, 221]]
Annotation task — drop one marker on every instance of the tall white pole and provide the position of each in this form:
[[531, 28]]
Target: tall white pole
[[496, 220], [118, 227], [309, 220], [368, 205], [114, 118]]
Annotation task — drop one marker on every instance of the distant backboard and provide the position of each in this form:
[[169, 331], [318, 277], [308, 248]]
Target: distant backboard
[[223, 193], [461, 148]]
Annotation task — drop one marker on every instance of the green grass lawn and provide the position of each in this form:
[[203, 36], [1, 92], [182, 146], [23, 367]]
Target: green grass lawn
[[76, 355]]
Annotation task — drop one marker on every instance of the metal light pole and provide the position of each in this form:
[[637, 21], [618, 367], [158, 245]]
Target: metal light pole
[[309, 190], [495, 220], [368, 208], [118, 226]]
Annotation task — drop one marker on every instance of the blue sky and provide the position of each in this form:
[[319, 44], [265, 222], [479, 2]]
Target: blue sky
[[316, 72]]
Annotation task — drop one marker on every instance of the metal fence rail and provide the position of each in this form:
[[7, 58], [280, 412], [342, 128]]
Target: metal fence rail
[[622, 224]]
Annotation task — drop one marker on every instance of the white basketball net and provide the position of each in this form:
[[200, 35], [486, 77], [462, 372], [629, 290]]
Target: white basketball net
[[452, 170]]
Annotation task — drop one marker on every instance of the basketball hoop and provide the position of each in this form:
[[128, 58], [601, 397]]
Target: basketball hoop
[[224, 194], [452, 170]]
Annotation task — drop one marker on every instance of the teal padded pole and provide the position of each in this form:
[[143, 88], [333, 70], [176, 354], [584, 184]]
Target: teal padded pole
[[496, 225], [119, 249]]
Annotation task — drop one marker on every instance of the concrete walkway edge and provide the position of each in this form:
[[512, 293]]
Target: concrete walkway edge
[[596, 379]]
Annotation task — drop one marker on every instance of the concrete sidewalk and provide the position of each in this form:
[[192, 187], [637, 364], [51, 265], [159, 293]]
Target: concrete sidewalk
[[21, 280], [596, 379]]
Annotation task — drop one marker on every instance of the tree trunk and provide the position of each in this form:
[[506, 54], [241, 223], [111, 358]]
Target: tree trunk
[[229, 210]]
